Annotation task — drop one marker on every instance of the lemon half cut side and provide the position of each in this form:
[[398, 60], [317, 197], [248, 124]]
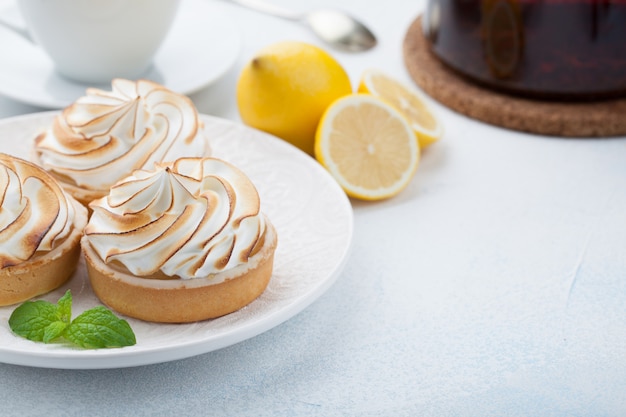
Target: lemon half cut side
[[407, 100], [367, 146]]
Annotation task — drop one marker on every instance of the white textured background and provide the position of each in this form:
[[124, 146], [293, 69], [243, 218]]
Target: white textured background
[[495, 285]]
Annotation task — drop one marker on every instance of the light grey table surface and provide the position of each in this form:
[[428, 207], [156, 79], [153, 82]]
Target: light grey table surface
[[494, 285]]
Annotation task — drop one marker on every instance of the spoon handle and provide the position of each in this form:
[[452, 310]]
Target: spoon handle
[[264, 7], [23, 32]]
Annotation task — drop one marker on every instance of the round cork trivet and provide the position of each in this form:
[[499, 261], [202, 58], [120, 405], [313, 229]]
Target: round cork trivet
[[569, 119]]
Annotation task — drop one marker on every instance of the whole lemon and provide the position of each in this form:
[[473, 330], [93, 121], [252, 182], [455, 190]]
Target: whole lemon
[[285, 89]]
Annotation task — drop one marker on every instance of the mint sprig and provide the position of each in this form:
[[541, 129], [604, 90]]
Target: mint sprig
[[43, 321]]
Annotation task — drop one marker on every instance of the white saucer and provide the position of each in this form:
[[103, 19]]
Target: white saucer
[[202, 46]]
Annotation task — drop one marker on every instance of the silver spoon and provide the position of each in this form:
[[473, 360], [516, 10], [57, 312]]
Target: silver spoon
[[336, 28], [16, 29]]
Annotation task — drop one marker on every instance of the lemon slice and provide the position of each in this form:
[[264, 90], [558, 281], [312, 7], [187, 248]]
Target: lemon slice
[[367, 146], [408, 101]]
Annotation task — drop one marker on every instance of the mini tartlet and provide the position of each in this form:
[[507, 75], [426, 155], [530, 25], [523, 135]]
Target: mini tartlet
[[183, 242], [105, 135], [40, 231]]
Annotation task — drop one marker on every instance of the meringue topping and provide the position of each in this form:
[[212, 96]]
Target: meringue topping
[[35, 213], [104, 136], [185, 219]]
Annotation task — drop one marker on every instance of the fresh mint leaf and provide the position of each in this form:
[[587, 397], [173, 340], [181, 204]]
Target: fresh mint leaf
[[54, 330], [99, 328], [31, 319], [42, 321], [65, 307]]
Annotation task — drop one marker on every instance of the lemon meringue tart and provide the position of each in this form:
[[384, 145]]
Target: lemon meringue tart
[[183, 242], [40, 231], [105, 135]]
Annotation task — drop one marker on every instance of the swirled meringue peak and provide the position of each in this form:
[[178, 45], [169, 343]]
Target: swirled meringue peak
[[185, 219], [106, 135], [35, 213]]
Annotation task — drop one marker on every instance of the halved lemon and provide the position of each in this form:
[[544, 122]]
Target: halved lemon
[[367, 146], [407, 100]]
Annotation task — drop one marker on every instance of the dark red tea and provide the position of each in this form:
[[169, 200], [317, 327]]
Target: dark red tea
[[562, 49]]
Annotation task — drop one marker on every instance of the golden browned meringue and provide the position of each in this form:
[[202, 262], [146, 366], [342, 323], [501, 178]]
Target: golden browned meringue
[[40, 230], [106, 135], [184, 242]]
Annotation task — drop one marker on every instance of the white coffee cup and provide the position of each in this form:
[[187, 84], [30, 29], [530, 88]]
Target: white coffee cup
[[94, 41]]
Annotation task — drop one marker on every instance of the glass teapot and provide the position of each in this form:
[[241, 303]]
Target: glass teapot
[[548, 49]]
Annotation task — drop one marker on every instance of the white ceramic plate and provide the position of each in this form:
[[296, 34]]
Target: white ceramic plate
[[314, 221], [202, 46]]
